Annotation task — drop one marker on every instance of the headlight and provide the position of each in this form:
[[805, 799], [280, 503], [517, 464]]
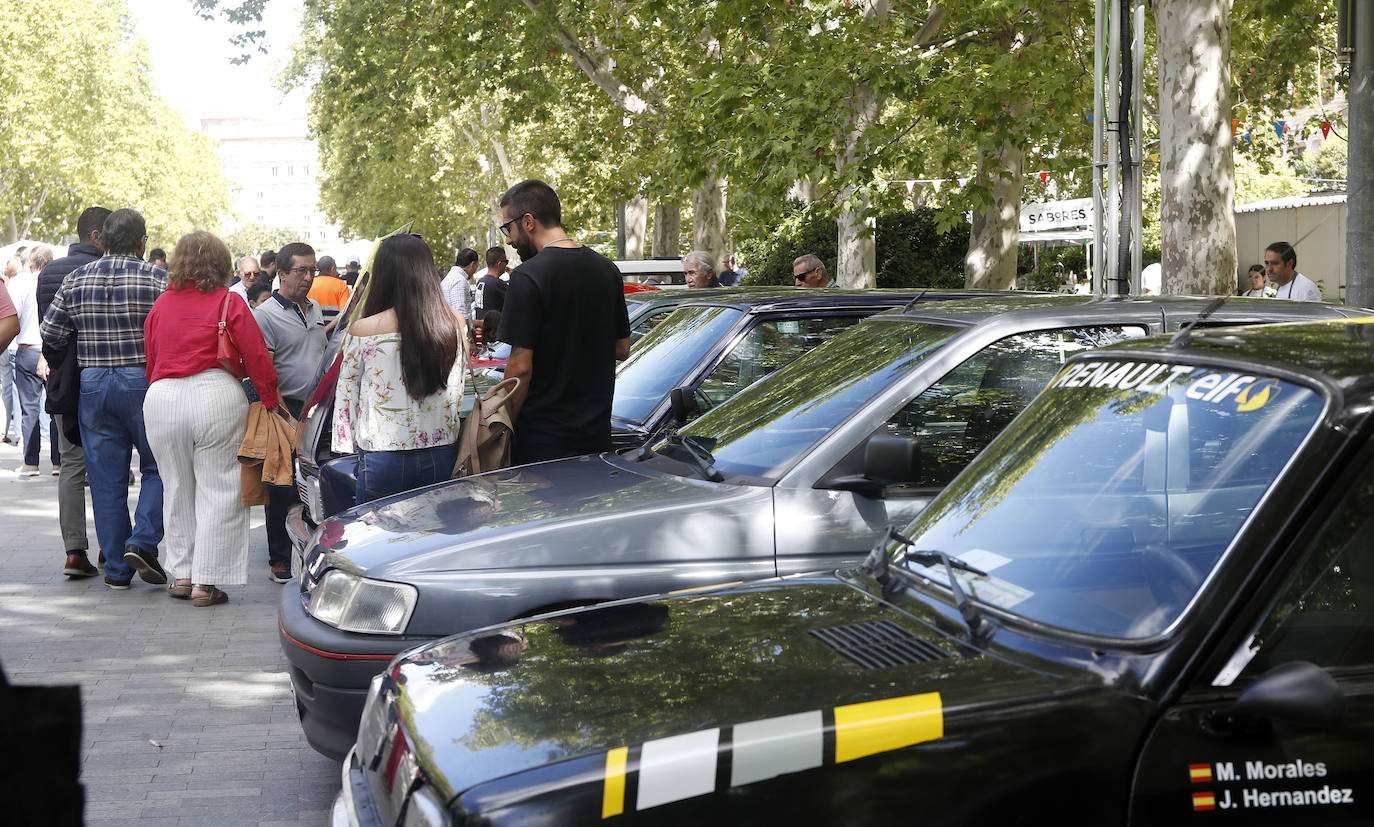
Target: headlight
[[360, 604]]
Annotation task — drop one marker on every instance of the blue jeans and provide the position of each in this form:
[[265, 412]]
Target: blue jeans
[[388, 472], [111, 417], [30, 402]]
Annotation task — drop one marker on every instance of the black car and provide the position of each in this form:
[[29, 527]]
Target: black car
[[1149, 601], [800, 472]]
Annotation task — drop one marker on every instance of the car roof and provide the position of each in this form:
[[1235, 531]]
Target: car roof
[[1013, 309], [1337, 353], [763, 299]]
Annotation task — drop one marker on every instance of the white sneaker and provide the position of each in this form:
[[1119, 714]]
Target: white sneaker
[[28, 471]]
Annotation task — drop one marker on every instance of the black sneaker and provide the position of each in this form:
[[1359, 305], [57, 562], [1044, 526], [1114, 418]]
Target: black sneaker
[[115, 584], [145, 564]]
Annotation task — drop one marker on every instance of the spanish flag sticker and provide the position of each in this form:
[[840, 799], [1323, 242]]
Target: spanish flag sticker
[[1204, 801], [1198, 773]]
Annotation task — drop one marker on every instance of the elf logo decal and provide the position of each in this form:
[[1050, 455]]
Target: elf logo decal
[[1256, 396], [684, 766]]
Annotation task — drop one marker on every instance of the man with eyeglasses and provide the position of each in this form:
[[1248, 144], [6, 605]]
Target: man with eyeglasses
[[248, 272], [566, 323], [294, 327], [1281, 263], [808, 271]]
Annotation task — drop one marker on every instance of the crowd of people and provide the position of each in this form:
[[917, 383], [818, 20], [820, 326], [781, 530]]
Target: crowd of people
[[186, 358]]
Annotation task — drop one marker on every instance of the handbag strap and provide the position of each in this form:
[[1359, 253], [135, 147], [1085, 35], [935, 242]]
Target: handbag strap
[[224, 311]]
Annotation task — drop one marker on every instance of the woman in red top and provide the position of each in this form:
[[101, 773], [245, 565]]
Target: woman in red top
[[195, 415]]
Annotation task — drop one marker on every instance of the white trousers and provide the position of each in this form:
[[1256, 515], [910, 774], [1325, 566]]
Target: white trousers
[[195, 425]]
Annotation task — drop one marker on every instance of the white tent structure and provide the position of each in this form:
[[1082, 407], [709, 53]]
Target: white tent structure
[[1314, 224]]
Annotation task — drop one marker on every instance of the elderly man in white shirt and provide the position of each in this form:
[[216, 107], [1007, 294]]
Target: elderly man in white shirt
[[248, 273], [455, 286]]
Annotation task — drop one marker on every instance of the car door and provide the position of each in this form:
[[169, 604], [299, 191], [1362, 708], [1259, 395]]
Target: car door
[[1215, 757], [953, 419]]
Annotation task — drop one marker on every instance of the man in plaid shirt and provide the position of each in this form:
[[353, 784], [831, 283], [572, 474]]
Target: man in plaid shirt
[[103, 304]]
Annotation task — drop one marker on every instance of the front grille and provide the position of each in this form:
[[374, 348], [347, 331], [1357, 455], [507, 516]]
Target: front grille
[[878, 644], [308, 489]]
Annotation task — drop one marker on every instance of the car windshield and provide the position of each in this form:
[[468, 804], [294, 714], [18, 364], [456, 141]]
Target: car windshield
[[1104, 508], [659, 361], [761, 430]]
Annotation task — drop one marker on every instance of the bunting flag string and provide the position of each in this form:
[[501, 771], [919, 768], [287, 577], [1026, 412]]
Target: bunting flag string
[[1326, 128], [1280, 127], [1044, 177]]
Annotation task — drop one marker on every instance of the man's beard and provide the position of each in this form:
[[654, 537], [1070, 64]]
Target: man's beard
[[524, 248]]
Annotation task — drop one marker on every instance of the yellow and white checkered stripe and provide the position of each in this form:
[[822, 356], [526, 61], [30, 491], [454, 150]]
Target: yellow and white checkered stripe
[[684, 766]]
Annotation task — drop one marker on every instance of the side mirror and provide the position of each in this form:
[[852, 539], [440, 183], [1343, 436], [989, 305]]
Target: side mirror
[[892, 460], [888, 460], [1298, 692], [683, 403]]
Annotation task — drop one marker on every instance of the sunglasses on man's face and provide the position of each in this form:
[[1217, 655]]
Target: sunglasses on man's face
[[802, 276]]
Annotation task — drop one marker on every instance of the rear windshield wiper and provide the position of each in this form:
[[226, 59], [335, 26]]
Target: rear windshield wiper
[[700, 456], [979, 626]]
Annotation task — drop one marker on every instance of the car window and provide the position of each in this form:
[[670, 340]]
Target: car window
[[766, 426], [1107, 504], [647, 323], [766, 347], [958, 416], [1325, 613], [660, 360]]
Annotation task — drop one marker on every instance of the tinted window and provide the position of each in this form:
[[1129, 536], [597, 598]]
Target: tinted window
[[766, 347], [958, 416], [1325, 614], [648, 322], [1105, 506], [660, 360], [768, 425]]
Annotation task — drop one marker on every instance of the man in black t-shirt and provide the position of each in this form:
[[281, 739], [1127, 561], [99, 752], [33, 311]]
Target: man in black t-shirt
[[566, 323], [491, 288]]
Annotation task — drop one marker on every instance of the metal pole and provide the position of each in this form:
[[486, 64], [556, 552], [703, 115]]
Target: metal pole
[[1137, 203], [1359, 215], [1112, 271], [1099, 245]]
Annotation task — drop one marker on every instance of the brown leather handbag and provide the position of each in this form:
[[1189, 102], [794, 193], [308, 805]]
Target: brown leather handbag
[[227, 352], [484, 439]]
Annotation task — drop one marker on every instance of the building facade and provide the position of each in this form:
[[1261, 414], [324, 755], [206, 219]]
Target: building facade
[[273, 161]]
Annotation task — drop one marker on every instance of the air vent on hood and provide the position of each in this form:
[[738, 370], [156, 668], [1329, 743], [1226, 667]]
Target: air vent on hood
[[879, 644]]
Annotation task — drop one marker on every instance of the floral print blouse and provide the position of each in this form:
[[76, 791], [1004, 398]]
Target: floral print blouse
[[373, 411]]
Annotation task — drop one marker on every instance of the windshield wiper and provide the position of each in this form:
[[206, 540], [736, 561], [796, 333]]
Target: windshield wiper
[[700, 455], [979, 626]]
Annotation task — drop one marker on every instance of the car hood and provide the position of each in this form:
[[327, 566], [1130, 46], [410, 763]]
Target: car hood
[[571, 511], [562, 690]]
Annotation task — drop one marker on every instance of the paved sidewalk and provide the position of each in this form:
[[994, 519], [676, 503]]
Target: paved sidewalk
[[187, 713]]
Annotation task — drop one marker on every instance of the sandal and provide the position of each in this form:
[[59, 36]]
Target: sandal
[[206, 595], [180, 589]]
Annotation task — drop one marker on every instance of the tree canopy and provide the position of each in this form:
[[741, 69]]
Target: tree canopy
[[84, 125], [428, 110]]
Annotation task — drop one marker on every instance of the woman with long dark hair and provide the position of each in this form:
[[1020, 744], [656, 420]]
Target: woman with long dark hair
[[401, 379]]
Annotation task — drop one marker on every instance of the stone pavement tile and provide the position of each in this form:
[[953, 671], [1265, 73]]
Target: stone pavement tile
[[209, 685]]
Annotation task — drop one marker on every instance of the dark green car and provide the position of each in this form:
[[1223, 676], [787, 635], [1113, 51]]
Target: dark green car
[[1150, 600]]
